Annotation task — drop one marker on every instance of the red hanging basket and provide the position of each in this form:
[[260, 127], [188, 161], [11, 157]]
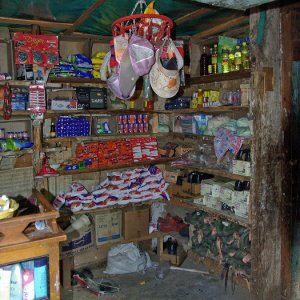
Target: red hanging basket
[[154, 27]]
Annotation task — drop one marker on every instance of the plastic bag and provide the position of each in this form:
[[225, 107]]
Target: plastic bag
[[126, 258]]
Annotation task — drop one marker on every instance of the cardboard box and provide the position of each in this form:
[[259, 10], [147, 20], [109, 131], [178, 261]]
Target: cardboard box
[[62, 104], [175, 260], [171, 176], [241, 167], [108, 227], [181, 150], [24, 161], [84, 241], [135, 222]]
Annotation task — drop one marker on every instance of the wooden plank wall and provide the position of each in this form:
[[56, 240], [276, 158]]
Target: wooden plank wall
[[268, 158]]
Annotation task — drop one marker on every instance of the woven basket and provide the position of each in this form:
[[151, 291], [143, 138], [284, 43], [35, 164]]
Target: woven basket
[[9, 212]]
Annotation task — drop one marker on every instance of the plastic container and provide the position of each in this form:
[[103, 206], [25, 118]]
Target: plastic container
[[40, 278], [16, 282]]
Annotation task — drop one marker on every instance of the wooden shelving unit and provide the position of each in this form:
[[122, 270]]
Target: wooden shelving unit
[[118, 166], [214, 172], [243, 74], [224, 214]]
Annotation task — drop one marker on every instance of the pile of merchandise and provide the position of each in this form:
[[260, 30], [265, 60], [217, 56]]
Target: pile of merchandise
[[225, 241], [119, 188], [76, 65], [110, 152]]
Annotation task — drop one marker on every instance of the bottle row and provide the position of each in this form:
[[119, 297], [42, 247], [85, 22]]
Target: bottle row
[[224, 58]]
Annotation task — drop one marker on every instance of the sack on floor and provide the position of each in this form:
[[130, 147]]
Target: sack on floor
[[126, 258]]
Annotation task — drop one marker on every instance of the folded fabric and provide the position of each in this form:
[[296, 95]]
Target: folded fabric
[[226, 140]]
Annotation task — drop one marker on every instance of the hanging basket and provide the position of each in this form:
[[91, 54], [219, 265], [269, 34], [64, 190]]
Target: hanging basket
[[153, 27]]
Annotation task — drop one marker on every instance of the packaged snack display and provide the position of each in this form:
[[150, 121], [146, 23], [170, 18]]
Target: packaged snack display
[[36, 49]]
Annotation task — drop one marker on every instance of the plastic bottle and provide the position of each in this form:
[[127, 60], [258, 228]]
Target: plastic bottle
[[225, 60], [52, 130], [40, 278], [214, 59], [245, 56], [200, 98], [28, 284], [203, 63], [237, 58], [231, 61], [5, 275], [186, 60], [16, 282]]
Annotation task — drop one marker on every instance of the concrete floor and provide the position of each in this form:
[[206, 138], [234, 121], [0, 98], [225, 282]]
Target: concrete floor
[[175, 285]]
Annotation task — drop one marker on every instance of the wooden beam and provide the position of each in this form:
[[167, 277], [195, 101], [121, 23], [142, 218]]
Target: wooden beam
[[192, 15], [41, 23], [220, 27], [84, 16]]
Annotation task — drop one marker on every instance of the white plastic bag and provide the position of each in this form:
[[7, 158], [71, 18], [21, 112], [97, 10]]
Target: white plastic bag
[[126, 258]]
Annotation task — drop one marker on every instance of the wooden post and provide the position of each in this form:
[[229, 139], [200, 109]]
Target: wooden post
[[268, 203]]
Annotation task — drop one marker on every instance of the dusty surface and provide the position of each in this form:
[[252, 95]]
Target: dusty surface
[[174, 285]]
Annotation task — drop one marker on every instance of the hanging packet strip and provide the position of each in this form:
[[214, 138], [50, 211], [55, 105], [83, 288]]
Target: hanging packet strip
[[120, 45]]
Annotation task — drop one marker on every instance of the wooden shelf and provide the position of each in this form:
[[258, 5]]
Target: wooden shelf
[[75, 80], [67, 212], [95, 112], [156, 234], [26, 83], [100, 137], [217, 109], [214, 172], [222, 213], [199, 136], [118, 166], [243, 74]]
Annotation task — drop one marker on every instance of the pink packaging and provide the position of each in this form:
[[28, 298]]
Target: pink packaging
[[28, 284]]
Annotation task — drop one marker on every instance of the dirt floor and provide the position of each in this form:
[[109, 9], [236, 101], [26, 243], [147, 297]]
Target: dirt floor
[[174, 285]]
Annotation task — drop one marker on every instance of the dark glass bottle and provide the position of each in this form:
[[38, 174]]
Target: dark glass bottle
[[186, 59], [247, 155], [203, 63], [209, 60], [239, 186], [246, 185], [240, 155]]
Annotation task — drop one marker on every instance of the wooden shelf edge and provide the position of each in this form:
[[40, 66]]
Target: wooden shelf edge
[[215, 109], [227, 215], [100, 137], [243, 74], [117, 206], [214, 172], [155, 234], [118, 166]]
